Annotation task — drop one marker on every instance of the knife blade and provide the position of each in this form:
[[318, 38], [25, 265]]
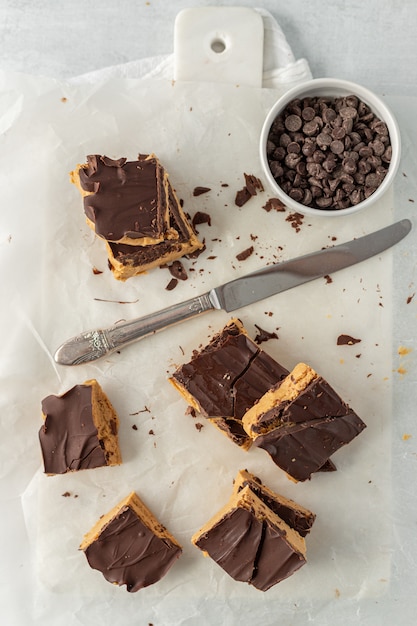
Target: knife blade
[[94, 344]]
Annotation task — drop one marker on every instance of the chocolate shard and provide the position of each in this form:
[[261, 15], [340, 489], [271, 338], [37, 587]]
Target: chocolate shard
[[301, 423], [227, 377]]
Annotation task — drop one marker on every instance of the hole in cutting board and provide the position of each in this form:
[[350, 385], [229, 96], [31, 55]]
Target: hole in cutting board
[[218, 45]]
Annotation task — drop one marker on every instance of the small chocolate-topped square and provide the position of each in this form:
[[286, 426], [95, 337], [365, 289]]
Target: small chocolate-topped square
[[226, 377], [302, 422], [129, 546], [80, 430]]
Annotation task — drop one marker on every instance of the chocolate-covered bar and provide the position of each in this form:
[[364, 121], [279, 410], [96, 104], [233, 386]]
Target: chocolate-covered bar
[[250, 541], [226, 377], [129, 546], [79, 430], [293, 514], [301, 423], [125, 201], [128, 260]]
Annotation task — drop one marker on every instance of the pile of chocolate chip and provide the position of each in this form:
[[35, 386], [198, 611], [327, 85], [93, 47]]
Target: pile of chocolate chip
[[328, 153]]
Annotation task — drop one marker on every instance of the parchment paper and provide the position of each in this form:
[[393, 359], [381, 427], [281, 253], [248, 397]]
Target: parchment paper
[[204, 135]]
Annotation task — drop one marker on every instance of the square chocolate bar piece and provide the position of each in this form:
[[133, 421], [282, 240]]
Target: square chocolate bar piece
[[129, 546], [125, 201], [301, 423], [225, 378], [80, 430]]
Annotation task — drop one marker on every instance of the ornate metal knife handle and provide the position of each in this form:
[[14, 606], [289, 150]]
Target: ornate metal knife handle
[[94, 344]]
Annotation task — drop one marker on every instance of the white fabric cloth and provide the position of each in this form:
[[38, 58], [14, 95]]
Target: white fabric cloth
[[280, 69]]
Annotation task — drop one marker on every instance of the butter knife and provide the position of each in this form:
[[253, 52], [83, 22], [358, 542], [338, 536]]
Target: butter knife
[[268, 281]]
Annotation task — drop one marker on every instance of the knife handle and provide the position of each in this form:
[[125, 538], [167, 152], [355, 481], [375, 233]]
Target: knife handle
[[92, 345]]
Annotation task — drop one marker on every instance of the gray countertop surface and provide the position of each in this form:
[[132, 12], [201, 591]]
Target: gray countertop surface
[[372, 42]]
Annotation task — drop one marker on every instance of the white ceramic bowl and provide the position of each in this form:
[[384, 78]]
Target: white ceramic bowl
[[333, 88]]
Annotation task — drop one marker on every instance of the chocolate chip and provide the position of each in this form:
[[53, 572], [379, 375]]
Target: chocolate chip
[[293, 123], [337, 146]]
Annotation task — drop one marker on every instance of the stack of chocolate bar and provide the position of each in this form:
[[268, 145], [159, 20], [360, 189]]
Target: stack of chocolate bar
[[133, 207], [296, 416]]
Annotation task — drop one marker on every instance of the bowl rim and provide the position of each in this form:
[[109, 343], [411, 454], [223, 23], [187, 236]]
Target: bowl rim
[[335, 85]]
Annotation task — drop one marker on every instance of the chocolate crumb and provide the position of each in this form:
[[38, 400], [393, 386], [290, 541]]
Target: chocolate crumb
[[201, 218], [199, 426], [409, 299], [96, 271], [274, 204], [178, 271], [66, 494], [190, 411], [198, 191], [242, 256], [253, 184], [251, 188], [264, 335], [242, 196], [296, 221], [328, 279], [134, 427], [151, 432], [172, 284], [347, 340]]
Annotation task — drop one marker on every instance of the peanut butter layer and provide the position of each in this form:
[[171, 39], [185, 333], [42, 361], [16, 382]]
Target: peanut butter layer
[[226, 377], [125, 201], [80, 430], [296, 516], [129, 546], [127, 260], [302, 423], [250, 542]]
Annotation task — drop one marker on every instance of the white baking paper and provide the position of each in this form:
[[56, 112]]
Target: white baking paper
[[205, 135]]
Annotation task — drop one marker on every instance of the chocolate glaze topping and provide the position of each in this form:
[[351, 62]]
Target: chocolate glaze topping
[[250, 550], [227, 377], [128, 553], [310, 430], [68, 436], [127, 198], [141, 255]]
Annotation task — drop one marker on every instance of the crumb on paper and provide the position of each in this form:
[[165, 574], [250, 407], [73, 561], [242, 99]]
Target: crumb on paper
[[177, 270], [251, 188], [96, 271], [199, 426], [172, 284], [264, 335], [410, 298], [296, 220], [198, 191], [347, 340], [242, 256], [274, 204], [406, 436]]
